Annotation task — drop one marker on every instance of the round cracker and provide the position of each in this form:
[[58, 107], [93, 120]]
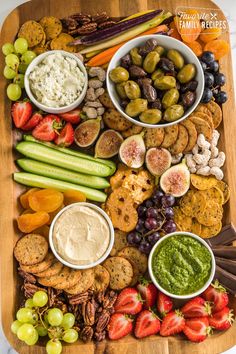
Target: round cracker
[[120, 242], [86, 281], [202, 127], [72, 279], [211, 215], [210, 231], [121, 272], [215, 194], [154, 137], [181, 142], [203, 182], [40, 267], [216, 112], [101, 279], [114, 120], [196, 228], [62, 43], [32, 31], [199, 203], [225, 190], [192, 134], [186, 203], [31, 249], [203, 108], [184, 222], [54, 269], [135, 257], [52, 26], [171, 135], [55, 279], [204, 116], [136, 275], [105, 100], [133, 130]]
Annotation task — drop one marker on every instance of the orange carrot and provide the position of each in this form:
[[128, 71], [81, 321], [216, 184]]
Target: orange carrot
[[105, 56]]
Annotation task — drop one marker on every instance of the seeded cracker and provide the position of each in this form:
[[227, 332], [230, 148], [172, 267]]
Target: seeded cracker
[[210, 231], [31, 249], [192, 134], [101, 279], [211, 215], [135, 257], [114, 120], [170, 136], [40, 267], [54, 269], [32, 31], [55, 279], [85, 282], [154, 137], [181, 142], [62, 43], [72, 279], [121, 272], [52, 26]]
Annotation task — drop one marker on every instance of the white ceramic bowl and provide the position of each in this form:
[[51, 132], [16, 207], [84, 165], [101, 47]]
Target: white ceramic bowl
[[213, 265], [104, 256], [41, 106], [167, 43]]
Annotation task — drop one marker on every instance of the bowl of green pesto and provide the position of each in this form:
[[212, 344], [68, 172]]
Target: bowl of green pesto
[[181, 265]]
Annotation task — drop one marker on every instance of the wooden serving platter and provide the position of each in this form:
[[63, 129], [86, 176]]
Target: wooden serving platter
[[10, 284]]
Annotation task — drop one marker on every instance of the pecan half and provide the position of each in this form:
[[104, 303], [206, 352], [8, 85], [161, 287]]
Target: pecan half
[[106, 24], [70, 23], [109, 299], [81, 18], [87, 28], [78, 299], [86, 334], [99, 336], [29, 278], [99, 18], [88, 313], [103, 321], [30, 289]]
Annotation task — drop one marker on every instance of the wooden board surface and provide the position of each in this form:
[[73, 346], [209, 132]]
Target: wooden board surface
[[9, 191]]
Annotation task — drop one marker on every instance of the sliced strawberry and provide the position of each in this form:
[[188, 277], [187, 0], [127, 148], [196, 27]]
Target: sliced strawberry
[[148, 293], [47, 128], [72, 117], [172, 323], [129, 302], [119, 326], [164, 303], [217, 294], [66, 136], [196, 307], [147, 324], [21, 113], [33, 121], [222, 319], [197, 329]]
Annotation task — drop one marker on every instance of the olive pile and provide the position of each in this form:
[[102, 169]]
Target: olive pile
[[154, 85]]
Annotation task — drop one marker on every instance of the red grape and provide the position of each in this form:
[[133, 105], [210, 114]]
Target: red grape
[[134, 238], [145, 247], [169, 226], [153, 238], [152, 213], [167, 200], [151, 223], [169, 213]]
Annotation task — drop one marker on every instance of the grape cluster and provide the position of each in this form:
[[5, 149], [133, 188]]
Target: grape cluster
[[17, 59], [35, 320], [155, 219], [213, 79]]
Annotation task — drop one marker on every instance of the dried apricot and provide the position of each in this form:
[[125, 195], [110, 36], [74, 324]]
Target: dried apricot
[[54, 213], [190, 27], [72, 196], [209, 34], [27, 211], [196, 47], [30, 222], [24, 198], [47, 200], [218, 47], [43, 230], [174, 32]]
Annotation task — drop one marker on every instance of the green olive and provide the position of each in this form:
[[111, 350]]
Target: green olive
[[121, 90], [187, 73], [119, 74], [170, 97], [151, 116], [132, 90], [135, 107], [151, 61], [157, 73], [165, 82], [136, 58], [160, 50], [173, 113], [176, 58]]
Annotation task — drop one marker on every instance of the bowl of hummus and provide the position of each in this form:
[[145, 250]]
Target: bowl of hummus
[[56, 81], [81, 235]]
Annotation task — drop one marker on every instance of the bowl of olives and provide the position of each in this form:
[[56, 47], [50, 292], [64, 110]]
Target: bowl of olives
[[155, 81]]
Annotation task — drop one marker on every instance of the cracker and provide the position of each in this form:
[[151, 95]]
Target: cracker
[[114, 120], [184, 222], [40, 267], [202, 127], [211, 215], [181, 142], [133, 130], [154, 137], [216, 112], [171, 135], [196, 228], [39, 50], [52, 26], [136, 275], [203, 108], [121, 272], [105, 100], [186, 203], [192, 134], [120, 242], [31, 249], [62, 43], [135, 257], [54, 269], [210, 231], [203, 182], [199, 203], [85, 282], [72, 279], [140, 185], [215, 194], [32, 31], [101, 279], [225, 190], [55, 279], [204, 116], [121, 173]]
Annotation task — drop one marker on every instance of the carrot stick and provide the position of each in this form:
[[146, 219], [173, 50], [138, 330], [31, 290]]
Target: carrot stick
[[105, 56]]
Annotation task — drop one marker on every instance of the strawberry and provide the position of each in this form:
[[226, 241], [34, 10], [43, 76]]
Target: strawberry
[[148, 292], [197, 329], [222, 319], [66, 136], [72, 117], [217, 294], [47, 128], [129, 302], [196, 307], [33, 121], [119, 326], [172, 323], [164, 303], [147, 324], [21, 113]]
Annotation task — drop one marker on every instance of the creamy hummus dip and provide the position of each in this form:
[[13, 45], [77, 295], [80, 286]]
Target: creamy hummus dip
[[81, 235]]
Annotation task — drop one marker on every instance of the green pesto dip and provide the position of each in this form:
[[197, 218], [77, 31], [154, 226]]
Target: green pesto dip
[[181, 264]]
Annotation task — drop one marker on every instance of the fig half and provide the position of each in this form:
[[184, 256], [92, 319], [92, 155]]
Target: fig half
[[132, 151], [87, 132], [158, 160], [176, 180], [108, 144]]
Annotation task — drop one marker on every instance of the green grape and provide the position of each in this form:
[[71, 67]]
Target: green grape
[[27, 57], [7, 48], [70, 336], [12, 61], [15, 326], [20, 80], [54, 347], [33, 339], [29, 303], [9, 73], [22, 68], [21, 45], [45, 318], [13, 92], [42, 331], [24, 315], [25, 331], [40, 298], [68, 321], [55, 317]]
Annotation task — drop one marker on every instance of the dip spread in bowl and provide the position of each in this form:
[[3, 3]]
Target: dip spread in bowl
[[181, 265], [81, 235]]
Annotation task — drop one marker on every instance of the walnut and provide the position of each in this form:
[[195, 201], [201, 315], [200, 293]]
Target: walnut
[[86, 334]]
